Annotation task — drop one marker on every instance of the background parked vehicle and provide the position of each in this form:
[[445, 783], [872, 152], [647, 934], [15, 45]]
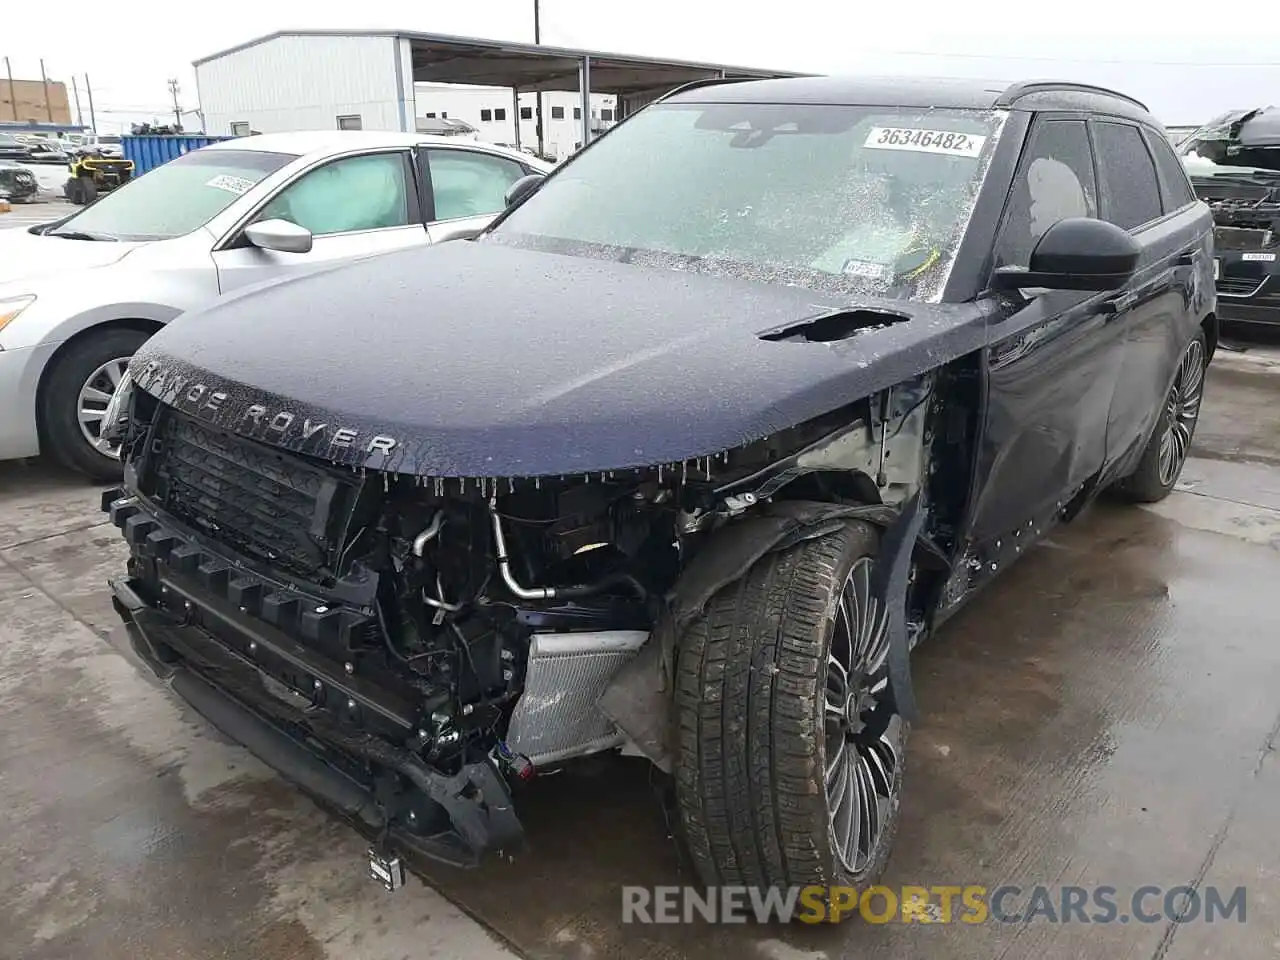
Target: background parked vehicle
[[706, 432], [1234, 161], [204, 224], [11, 148], [46, 150], [17, 183], [109, 145]]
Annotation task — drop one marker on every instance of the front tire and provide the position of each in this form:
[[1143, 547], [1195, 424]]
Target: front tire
[[74, 396], [791, 755], [1166, 452]]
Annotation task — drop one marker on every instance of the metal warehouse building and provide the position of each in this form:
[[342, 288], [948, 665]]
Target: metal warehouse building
[[321, 79]]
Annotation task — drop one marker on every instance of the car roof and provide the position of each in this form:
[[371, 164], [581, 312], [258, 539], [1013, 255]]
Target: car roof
[[917, 92], [321, 142]]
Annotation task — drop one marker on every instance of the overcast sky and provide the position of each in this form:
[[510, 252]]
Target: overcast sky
[[1183, 71]]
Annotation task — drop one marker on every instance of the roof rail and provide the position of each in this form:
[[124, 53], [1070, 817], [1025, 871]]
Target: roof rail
[[705, 82], [1026, 87]]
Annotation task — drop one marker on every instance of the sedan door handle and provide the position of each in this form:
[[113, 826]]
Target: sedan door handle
[[1186, 260]]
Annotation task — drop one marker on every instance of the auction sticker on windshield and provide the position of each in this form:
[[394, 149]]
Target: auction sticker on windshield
[[236, 185], [925, 141]]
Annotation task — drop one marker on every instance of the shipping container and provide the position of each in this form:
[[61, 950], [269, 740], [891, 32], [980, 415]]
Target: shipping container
[[148, 151]]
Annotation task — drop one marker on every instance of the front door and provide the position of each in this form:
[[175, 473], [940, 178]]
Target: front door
[[1053, 359], [356, 206]]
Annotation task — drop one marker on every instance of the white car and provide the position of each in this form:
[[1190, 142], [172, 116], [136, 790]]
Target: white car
[[80, 295]]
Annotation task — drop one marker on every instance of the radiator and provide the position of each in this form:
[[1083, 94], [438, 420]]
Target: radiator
[[556, 717]]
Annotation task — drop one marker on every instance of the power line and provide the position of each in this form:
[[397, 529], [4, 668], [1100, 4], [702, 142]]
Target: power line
[[1126, 61]]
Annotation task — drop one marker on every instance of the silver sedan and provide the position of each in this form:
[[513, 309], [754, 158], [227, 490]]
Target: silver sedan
[[80, 295]]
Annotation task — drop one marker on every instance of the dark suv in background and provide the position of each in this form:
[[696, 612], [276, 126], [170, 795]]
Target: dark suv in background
[[1234, 161]]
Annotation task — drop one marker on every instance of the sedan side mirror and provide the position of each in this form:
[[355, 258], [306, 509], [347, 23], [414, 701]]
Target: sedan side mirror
[[1079, 253], [522, 188], [279, 235]]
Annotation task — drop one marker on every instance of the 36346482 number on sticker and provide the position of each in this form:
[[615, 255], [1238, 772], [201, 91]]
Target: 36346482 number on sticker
[[925, 141]]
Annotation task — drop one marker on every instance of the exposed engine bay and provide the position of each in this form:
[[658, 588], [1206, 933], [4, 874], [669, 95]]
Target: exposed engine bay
[[1245, 213], [439, 639]]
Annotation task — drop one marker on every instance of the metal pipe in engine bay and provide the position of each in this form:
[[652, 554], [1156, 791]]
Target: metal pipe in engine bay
[[504, 562], [430, 533]]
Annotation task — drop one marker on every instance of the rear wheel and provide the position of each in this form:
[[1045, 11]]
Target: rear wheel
[[791, 754], [74, 398], [1166, 451]]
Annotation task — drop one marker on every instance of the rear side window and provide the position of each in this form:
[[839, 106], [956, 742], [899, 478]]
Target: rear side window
[[1054, 181], [1130, 187], [1175, 188]]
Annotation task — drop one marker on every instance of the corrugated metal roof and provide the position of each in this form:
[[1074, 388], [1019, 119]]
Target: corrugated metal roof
[[440, 58]]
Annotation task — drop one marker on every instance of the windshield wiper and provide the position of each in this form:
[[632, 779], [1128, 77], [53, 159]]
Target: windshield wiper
[[81, 235]]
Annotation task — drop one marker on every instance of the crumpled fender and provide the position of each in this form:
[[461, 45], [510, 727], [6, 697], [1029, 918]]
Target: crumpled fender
[[638, 699]]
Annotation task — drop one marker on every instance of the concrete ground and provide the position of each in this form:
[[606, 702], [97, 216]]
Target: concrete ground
[[1105, 714], [43, 210]]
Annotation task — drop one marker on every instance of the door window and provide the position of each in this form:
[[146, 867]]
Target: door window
[[1055, 181], [466, 183], [368, 192], [1130, 193], [1175, 188]]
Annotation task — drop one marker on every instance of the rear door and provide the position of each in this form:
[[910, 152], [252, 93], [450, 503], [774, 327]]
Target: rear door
[[1053, 358], [355, 206], [467, 188], [1154, 202]]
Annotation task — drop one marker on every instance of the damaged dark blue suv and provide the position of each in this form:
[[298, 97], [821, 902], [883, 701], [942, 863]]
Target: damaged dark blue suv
[[679, 458]]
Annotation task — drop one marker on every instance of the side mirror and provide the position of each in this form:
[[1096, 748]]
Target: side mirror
[[522, 188], [1079, 253], [279, 235]]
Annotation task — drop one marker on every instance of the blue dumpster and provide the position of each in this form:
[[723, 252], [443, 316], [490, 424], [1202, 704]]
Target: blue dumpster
[[148, 151]]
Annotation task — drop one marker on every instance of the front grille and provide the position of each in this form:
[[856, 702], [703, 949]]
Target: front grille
[[1239, 286], [263, 503]]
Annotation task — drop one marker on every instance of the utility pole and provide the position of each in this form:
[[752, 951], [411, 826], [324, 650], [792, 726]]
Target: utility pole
[[537, 39], [177, 110], [48, 107], [93, 119], [75, 88], [13, 97]]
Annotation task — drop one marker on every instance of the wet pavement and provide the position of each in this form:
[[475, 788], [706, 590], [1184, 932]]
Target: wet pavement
[[28, 214], [1106, 713]]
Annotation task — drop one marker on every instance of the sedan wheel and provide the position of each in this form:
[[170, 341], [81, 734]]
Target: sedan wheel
[[92, 405], [74, 393]]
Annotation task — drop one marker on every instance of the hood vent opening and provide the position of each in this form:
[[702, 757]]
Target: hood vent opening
[[832, 327]]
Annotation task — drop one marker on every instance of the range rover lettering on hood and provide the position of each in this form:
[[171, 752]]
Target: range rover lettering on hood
[[212, 403]]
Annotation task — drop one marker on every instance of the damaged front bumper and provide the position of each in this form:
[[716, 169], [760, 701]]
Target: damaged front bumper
[[282, 702]]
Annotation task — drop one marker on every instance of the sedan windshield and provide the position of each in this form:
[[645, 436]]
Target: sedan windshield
[[176, 197], [850, 198]]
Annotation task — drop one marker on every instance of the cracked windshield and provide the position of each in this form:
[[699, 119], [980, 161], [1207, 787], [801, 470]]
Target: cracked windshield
[[862, 199]]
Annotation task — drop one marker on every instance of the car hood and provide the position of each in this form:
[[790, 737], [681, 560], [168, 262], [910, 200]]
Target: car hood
[[27, 256], [481, 360]]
